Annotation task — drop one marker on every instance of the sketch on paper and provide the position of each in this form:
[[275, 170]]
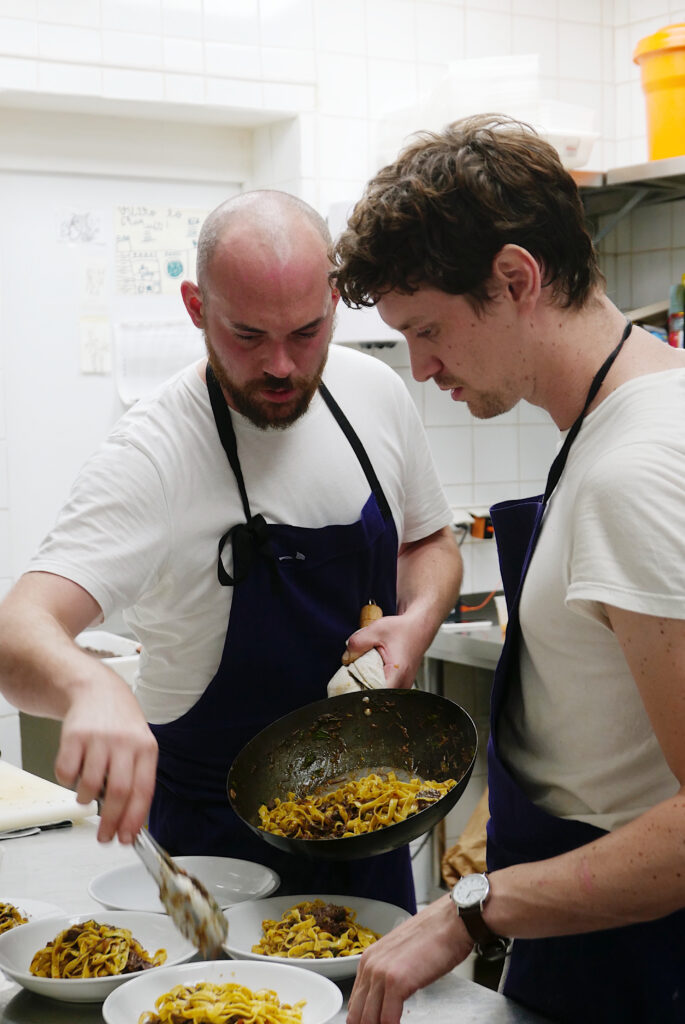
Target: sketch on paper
[[96, 352], [79, 226], [148, 352], [155, 248]]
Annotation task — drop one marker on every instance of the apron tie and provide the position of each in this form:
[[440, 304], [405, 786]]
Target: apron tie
[[249, 540]]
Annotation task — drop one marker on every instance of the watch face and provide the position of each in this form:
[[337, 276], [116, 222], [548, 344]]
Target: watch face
[[471, 889]]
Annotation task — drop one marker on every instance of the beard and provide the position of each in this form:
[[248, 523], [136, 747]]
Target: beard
[[248, 401]]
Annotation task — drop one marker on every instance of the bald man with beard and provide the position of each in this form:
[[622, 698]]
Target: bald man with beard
[[231, 520]]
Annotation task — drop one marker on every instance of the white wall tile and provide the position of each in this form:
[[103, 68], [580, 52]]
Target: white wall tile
[[532, 413], [537, 35], [4, 484], [492, 6], [496, 454], [391, 29], [442, 411], [122, 15], [651, 227], [486, 36], [18, 37], [392, 86], [5, 562], [226, 60], [132, 49], [677, 265], [286, 151], [69, 79], [287, 23], [548, 9], [589, 11], [452, 451], [342, 85], [340, 30], [26, 9], [184, 88], [126, 84], [288, 96], [231, 92], [439, 32], [344, 147], [179, 54], [182, 18], [18, 73], [580, 51], [537, 448], [288, 65], [231, 21], [638, 10], [650, 276], [85, 13]]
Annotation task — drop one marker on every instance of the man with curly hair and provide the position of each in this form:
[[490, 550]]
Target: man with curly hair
[[473, 245]]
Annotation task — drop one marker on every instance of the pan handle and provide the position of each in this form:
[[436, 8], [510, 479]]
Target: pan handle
[[369, 613]]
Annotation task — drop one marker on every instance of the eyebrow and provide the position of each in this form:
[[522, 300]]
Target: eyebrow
[[237, 326]]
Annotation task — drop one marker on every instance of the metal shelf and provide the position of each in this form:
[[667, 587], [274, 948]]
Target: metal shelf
[[618, 191]]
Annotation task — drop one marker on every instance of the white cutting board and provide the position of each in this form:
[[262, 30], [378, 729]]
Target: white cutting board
[[26, 800]]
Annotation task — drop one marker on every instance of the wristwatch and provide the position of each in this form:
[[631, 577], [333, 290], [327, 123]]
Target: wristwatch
[[469, 896]]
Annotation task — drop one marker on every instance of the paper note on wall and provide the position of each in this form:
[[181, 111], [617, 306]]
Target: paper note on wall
[[155, 248], [148, 352]]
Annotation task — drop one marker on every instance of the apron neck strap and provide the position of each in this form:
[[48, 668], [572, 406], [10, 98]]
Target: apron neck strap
[[557, 466], [224, 423]]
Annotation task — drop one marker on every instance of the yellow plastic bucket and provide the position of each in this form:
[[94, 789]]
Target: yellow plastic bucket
[[661, 58]]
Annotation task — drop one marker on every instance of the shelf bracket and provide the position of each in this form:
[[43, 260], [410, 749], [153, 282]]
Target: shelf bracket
[[638, 195]]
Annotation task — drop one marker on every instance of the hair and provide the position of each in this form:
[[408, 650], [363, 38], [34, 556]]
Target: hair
[[267, 207], [441, 212]]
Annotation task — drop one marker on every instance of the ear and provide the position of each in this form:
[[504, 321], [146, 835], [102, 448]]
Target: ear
[[192, 300], [335, 295], [517, 274]]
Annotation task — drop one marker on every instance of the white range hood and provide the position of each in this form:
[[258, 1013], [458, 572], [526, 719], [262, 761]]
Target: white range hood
[[357, 326]]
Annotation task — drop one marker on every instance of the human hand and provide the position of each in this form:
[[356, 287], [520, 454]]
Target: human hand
[[405, 960], [108, 752], [393, 638]]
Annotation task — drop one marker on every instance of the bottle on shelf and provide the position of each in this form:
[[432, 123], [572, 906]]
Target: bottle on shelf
[[676, 314]]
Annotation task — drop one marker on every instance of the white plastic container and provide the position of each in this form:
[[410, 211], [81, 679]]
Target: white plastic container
[[125, 651]]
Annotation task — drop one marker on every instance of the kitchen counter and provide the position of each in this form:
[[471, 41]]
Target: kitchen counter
[[480, 647], [57, 867]]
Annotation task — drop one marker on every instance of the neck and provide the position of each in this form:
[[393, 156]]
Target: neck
[[573, 344]]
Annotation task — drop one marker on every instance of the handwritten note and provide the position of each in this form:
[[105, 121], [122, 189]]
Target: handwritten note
[[155, 248], [146, 353]]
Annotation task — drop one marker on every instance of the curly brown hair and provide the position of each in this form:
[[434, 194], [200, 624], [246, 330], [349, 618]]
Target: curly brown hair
[[440, 213]]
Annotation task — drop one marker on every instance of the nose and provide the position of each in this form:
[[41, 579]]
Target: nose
[[424, 365], [279, 363]]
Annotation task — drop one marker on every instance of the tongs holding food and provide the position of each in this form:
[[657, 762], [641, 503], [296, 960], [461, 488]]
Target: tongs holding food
[[193, 910]]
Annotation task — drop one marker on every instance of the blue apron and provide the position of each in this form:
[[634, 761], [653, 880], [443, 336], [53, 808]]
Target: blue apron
[[629, 975], [297, 596]]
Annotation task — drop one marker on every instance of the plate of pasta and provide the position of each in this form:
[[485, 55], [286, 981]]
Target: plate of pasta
[[324, 934], [15, 910], [225, 991], [81, 958]]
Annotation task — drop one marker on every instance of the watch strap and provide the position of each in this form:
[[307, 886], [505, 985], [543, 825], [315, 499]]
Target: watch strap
[[487, 943]]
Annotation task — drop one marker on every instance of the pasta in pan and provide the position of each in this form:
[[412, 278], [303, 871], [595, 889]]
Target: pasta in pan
[[315, 930], [221, 1004], [10, 917], [354, 808], [92, 950]]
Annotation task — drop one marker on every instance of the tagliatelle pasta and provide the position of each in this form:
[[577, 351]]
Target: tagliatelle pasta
[[207, 1003], [10, 917], [92, 950], [315, 930], [353, 808]]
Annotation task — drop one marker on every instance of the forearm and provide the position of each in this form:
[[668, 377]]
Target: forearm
[[631, 875], [429, 575]]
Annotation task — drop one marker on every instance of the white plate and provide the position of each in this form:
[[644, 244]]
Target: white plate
[[33, 909], [323, 998], [245, 929], [228, 880], [19, 945]]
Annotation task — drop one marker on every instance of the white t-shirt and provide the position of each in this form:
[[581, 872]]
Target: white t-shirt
[[141, 528], [577, 735]]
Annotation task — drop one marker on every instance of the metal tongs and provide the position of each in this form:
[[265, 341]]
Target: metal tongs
[[193, 910]]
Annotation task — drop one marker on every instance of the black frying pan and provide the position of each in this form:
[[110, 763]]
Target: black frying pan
[[410, 732]]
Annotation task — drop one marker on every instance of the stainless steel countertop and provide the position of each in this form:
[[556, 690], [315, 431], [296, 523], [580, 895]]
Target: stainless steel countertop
[[480, 648], [57, 867]]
